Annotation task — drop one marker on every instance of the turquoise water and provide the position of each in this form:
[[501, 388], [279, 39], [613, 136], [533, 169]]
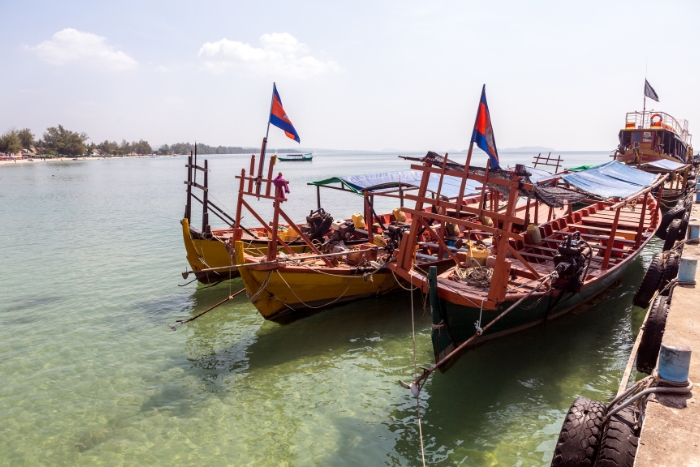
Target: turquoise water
[[92, 375]]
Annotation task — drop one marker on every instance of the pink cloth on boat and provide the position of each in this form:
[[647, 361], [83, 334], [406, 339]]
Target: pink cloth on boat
[[281, 187]]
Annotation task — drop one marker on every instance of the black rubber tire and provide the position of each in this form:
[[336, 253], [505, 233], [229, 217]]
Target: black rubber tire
[[688, 203], [684, 225], [650, 282], [580, 434], [671, 266], [673, 234], [649, 346], [676, 212], [618, 446]]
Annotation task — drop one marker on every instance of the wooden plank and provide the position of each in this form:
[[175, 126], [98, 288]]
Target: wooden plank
[[525, 263], [466, 209], [596, 237], [441, 218]]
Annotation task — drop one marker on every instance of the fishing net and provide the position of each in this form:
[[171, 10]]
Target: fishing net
[[478, 276], [557, 197]]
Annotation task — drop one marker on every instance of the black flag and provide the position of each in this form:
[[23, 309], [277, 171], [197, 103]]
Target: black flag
[[649, 91]]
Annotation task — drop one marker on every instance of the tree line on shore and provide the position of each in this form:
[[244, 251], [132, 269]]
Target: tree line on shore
[[59, 141]]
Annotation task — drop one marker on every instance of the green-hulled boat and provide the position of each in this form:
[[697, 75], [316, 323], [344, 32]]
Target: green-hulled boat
[[296, 157], [538, 270]]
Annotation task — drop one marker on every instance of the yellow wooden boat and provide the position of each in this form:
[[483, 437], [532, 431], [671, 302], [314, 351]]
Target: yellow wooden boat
[[209, 255], [209, 251], [286, 288]]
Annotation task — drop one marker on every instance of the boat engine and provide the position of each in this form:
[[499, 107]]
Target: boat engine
[[318, 224], [570, 263], [395, 234], [347, 231]]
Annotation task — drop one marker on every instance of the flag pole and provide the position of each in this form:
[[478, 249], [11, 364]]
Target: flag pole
[[469, 159], [471, 142], [263, 150], [644, 108]]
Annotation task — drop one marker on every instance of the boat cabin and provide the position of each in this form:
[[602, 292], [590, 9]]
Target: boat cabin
[[650, 136]]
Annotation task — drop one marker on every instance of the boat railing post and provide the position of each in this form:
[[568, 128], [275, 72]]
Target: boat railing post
[[640, 227], [272, 244], [239, 204], [252, 173], [273, 159], [406, 254], [368, 216], [205, 198], [611, 240], [188, 206], [318, 197], [262, 162], [442, 177], [501, 271]]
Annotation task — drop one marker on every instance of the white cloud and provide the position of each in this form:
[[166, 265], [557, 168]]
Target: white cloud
[[281, 54], [71, 46]]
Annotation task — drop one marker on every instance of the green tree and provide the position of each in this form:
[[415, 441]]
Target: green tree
[[142, 147], [10, 142], [64, 141], [124, 148], [26, 137], [108, 147]]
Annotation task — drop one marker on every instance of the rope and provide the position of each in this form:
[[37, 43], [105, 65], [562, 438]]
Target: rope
[[302, 301], [415, 372], [399, 282], [478, 276], [255, 296]]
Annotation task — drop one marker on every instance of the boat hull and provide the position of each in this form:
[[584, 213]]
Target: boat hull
[[289, 292], [459, 321], [207, 253]]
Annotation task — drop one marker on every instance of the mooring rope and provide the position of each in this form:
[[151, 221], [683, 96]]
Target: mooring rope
[[302, 301], [415, 372], [255, 296]]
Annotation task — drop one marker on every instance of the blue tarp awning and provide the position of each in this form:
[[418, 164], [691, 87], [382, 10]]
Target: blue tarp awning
[[379, 182], [538, 174], [610, 180], [666, 164]]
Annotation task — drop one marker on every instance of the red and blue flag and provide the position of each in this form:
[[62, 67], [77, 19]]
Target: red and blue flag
[[278, 117], [483, 132]]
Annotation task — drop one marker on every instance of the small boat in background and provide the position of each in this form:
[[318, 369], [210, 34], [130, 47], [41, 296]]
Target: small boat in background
[[296, 157]]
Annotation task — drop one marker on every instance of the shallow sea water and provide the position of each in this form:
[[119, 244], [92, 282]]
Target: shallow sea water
[[92, 375]]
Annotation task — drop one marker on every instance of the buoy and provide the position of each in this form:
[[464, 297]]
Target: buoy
[[674, 362], [687, 268], [694, 231]]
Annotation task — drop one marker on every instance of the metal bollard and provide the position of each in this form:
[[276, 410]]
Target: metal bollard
[[694, 231], [688, 267], [674, 362]]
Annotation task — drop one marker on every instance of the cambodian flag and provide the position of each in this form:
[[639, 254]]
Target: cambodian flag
[[483, 131], [278, 117]]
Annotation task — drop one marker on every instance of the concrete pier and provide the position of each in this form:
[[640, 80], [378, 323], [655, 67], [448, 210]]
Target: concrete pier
[[671, 432]]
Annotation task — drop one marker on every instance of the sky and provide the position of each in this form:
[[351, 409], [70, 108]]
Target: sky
[[360, 75]]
